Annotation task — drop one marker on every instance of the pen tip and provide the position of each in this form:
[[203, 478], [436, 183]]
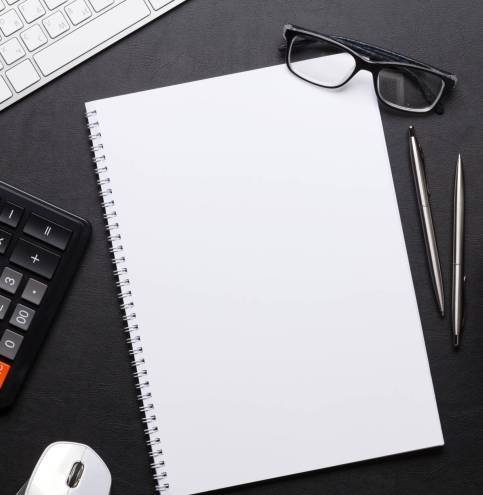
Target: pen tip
[[459, 162], [411, 131], [456, 341], [441, 306]]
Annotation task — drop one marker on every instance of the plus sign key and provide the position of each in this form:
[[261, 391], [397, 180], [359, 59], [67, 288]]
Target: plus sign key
[[34, 258]]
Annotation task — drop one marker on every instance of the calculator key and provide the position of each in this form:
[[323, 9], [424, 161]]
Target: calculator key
[[4, 241], [47, 231], [10, 22], [4, 304], [10, 344], [78, 11], [12, 51], [11, 2], [11, 214], [22, 317], [33, 37], [31, 10], [23, 75], [56, 24], [98, 5], [10, 280], [2, 5], [4, 369], [34, 291], [34, 258], [5, 92]]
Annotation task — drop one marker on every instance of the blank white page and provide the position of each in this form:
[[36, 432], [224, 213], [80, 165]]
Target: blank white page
[[270, 276]]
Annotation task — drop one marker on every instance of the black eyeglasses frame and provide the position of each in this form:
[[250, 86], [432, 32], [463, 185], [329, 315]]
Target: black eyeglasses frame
[[388, 60]]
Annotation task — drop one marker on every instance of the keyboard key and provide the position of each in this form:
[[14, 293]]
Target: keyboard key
[[91, 35], [47, 231], [10, 22], [158, 4], [22, 75], [4, 241], [34, 291], [98, 5], [22, 317], [78, 11], [2, 5], [10, 280], [11, 214], [53, 4], [5, 92], [33, 37], [31, 10], [34, 258], [10, 344], [56, 24], [4, 304], [11, 2], [4, 370], [12, 51]]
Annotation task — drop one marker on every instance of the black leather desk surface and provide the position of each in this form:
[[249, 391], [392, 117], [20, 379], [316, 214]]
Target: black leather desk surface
[[81, 388]]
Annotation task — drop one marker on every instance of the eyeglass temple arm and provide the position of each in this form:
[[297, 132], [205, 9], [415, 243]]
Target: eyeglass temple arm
[[425, 89], [396, 57], [366, 49]]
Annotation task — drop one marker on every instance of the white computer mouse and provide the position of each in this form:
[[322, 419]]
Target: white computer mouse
[[67, 468]]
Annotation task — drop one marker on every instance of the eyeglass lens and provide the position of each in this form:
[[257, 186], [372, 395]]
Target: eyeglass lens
[[409, 88], [320, 61]]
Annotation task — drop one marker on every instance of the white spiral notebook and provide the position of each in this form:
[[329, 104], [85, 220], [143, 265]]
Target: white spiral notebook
[[264, 278]]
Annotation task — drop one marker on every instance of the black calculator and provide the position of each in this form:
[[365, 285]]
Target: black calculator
[[40, 249]]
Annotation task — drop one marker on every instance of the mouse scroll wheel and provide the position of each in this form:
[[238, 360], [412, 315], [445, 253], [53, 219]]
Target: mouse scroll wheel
[[75, 474]]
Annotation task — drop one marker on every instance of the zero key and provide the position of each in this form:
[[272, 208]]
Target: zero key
[[35, 258]]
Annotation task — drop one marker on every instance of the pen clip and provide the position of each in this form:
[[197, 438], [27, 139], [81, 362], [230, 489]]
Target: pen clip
[[464, 302], [423, 162]]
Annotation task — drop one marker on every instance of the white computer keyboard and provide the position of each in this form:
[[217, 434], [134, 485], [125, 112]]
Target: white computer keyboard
[[42, 39]]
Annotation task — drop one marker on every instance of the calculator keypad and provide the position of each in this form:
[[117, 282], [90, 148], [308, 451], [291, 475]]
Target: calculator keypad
[[40, 248]]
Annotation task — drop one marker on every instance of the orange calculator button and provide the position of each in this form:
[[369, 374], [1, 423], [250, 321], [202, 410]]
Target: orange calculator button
[[4, 369]]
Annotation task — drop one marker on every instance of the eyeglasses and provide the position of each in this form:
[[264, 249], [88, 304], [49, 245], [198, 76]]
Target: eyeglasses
[[332, 61]]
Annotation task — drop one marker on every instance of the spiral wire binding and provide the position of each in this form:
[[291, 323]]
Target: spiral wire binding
[[131, 328]]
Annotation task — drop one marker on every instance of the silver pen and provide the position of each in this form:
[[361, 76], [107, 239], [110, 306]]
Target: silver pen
[[420, 182], [457, 301]]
